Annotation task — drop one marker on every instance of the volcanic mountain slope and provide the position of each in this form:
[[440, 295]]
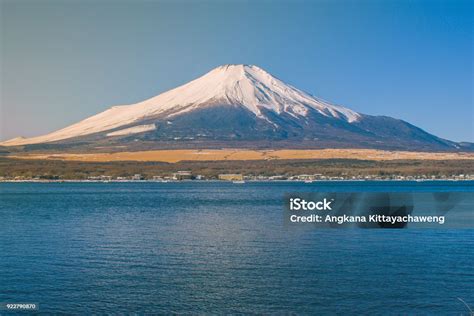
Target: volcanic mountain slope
[[238, 106]]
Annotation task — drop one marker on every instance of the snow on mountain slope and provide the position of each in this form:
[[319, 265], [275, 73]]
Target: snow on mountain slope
[[238, 85], [133, 130]]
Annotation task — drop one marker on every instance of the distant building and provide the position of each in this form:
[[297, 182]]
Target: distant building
[[137, 177], [306, 177], [231, 177], [277, 178], [182, 175], [100, 178]]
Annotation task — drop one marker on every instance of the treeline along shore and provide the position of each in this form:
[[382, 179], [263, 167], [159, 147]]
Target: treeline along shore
[[11, 168]]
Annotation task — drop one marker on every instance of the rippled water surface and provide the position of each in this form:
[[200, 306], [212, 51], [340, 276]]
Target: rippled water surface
[[219, 248]]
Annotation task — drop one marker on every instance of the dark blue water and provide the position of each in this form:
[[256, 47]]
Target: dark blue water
[[219, 248]]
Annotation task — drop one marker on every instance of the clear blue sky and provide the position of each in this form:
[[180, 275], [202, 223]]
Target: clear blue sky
[[62, 61]]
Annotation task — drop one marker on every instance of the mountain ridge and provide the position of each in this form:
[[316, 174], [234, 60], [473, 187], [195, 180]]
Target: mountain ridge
[[233, 103]]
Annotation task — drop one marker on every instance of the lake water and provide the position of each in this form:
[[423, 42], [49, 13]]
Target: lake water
[[220, 248]]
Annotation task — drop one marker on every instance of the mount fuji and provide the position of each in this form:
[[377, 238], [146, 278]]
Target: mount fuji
[[240, 106]]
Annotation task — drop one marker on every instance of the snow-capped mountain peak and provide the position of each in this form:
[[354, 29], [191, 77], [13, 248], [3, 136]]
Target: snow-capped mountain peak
[[245, 85]]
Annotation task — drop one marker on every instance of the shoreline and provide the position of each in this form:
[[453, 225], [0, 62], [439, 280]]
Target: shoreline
[[226, 181]]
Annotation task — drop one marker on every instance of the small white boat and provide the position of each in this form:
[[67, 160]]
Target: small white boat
[[238, 181], [308, 181]]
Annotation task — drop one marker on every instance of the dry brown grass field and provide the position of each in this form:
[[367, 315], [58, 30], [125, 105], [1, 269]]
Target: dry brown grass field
[[174, 156]]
